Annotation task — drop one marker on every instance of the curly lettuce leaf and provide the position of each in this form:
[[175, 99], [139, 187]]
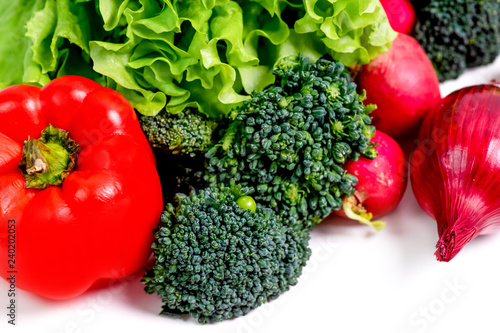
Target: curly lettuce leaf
[[209, 54], [51, 36], [15, 49], [355, 32], [198, 71]]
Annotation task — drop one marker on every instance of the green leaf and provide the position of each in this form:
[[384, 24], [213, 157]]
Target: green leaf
[[112, 12], [111, 60], [15, 48], [357, 31]]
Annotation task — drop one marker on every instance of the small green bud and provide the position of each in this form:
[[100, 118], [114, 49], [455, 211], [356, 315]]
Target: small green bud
[[247, 202]]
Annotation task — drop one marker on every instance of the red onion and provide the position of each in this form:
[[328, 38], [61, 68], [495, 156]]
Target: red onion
[[455, 170]]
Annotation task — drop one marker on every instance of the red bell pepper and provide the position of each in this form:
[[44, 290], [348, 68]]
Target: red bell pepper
[[79, 191]]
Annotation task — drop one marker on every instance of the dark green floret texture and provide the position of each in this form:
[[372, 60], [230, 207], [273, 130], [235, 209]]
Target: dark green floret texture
[[186, 133], [288, 143], [458, 34], [215, 260]]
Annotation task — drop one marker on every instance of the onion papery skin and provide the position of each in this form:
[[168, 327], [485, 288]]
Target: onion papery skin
[[455, 169]]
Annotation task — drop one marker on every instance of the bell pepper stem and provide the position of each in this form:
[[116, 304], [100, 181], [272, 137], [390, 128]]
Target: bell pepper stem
[[36, 159], [47, 161]]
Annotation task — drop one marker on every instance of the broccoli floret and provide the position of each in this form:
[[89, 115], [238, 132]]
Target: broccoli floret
[[458, 34], [215, 260], [186, 133], [288, 143]]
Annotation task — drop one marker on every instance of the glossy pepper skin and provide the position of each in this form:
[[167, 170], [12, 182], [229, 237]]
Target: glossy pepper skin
[[97, 225]]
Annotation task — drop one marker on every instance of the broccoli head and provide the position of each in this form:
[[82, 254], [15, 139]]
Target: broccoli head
[[186, 133], [216, 260], [288, 143], [458, 34]]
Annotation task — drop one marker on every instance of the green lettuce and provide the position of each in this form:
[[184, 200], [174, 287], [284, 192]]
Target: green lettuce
[[208, 54], [44, 39], [15, 48], [354, 31]]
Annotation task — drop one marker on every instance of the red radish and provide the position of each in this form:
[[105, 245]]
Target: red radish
[[403, 85], [381, 182], [401, 15]]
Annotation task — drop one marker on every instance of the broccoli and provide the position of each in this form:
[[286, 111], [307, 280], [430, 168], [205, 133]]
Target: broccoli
[[186, 133], [458, 34], [216, 260], [288, 143]]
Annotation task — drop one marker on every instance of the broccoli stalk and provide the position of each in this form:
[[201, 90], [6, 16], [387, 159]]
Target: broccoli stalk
[[216, 260], [288, 143]]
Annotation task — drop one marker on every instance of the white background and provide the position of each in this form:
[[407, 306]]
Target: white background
[[357, 280]]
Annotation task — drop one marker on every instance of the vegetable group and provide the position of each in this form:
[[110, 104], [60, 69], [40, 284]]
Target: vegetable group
[[86, 193], [455, 171], [259, 129], [238, 235]]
